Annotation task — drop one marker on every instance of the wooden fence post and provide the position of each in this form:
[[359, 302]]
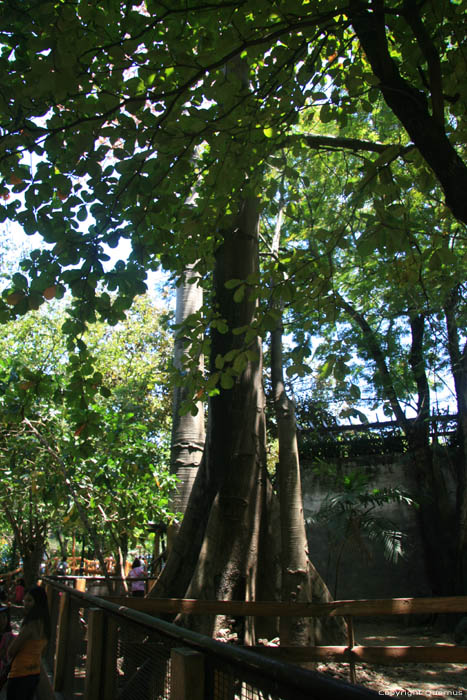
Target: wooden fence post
[[186, 674], [101, 657], [61, 647], [109, 660], [94, 651]]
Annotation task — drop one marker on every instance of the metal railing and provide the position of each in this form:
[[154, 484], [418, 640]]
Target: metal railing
[[103, 651]]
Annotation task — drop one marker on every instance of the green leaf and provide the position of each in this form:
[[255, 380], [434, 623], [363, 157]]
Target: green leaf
[[233, 283], [227, 381], [20, 281], [239, 293], [326, 113]]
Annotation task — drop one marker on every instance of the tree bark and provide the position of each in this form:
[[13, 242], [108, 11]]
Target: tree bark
[[188, 433]]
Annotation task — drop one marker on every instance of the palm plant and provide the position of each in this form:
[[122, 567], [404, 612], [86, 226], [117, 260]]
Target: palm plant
[[352, 511]]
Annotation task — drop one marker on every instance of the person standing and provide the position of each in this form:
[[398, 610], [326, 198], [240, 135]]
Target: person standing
[[25, 651], [6, 636], [137, 582], [62, 567]]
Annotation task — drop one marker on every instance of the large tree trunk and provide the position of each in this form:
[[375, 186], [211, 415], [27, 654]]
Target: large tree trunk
[[228, 546], [188, 433], [236, 463], [216, 552]]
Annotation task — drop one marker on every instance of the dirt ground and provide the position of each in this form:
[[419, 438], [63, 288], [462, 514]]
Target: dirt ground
[[407, 680]]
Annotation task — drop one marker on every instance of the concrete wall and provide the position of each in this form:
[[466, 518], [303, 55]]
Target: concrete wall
[[363, 571]]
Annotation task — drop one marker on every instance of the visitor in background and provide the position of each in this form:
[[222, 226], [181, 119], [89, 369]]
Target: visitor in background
[[62, 567], [136, 574], [26, 649], [110, 564], [6, 636], [20, 587]]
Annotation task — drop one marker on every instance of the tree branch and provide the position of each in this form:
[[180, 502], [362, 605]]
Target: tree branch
[[341, 142], [412, 15], [379, 359], [410, 106]]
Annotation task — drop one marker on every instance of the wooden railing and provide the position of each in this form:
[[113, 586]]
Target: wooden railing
[[351, 653], [111, 630], [349, 609], [76, 566]]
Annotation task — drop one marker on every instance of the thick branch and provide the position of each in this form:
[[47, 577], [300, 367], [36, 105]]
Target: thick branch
[[340, 142], [431, 55], [410, 106]]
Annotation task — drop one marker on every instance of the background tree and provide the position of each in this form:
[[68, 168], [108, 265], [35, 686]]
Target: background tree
[[33, 498], [391, 300], [43, 462]]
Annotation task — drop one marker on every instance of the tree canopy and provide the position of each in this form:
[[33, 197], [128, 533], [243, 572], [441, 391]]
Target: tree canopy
[[114, 100], [112, 114]]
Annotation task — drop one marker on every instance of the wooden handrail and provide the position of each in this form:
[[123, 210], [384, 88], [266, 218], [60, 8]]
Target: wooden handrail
[[448, 653], [357, 608], [134, 608]]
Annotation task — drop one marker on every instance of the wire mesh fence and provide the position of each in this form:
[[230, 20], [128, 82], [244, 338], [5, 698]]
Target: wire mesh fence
[[225, 682], [103, 651], [142, 665]]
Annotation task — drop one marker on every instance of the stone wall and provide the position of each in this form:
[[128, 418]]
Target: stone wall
[[363, 571]]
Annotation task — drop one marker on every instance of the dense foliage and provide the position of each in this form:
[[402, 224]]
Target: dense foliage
[[112, 114], [111, 489]]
